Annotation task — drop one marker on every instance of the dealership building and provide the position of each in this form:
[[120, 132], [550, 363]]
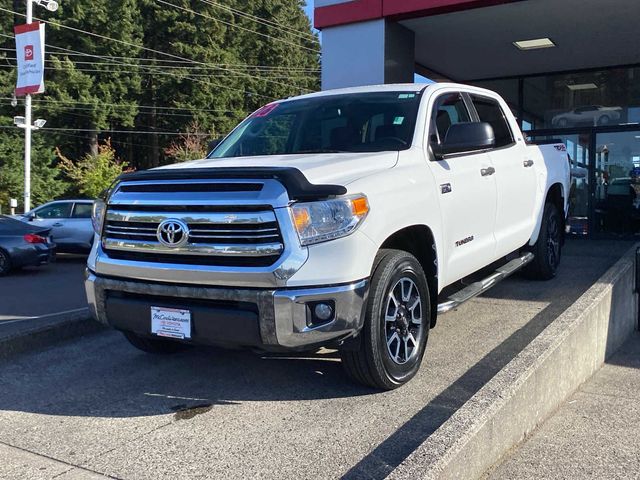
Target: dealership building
[[569, 69]]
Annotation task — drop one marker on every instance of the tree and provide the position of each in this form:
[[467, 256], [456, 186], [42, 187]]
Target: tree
[[46, 183], [210, 62], [189, 146], [93, 173]]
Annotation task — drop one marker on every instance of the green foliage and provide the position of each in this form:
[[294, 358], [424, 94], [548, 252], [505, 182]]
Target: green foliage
[[95, 86], [45, 178], [93, 173], [189, 146]]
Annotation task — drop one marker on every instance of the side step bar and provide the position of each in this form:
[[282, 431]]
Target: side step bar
[[477, 288]]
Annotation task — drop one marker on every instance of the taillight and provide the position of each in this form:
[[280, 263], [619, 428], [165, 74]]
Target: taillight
[[33, 238]]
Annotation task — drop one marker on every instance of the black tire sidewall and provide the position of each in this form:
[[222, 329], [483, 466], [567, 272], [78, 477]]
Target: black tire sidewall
[[391, 269], [7, 268], [550, 210]]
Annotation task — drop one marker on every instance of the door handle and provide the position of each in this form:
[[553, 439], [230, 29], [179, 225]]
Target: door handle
[[528, 163], [57, 224], [485, 172]]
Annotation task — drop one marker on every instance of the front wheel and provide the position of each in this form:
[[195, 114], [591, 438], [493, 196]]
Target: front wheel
[[396, 325], [154, 345], [5, 263], [548, 249]]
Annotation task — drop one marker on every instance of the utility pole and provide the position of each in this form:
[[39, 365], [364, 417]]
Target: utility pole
[[26, 122], [27, 132]]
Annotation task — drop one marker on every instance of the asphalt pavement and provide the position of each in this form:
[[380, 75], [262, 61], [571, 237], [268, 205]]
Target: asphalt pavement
[[35, 292], [96, 406]]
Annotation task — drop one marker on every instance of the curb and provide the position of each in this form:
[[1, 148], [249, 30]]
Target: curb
[[534, 384], [42, 333]]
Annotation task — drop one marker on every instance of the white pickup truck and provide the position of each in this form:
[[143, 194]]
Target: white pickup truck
[[331, 219]]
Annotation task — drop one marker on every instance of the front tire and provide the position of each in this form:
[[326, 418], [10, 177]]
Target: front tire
[[396, 325], [548, 249], [154, 345], [5, 263]]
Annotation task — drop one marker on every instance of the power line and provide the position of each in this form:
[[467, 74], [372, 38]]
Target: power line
[[152, 69], [89, 70], [50, 100], [112, 131], [261, 20], [142, 47], [238, 26], [167, 61]]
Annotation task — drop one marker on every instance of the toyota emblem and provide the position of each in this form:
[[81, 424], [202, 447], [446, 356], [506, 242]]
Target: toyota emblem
[[173, 233]]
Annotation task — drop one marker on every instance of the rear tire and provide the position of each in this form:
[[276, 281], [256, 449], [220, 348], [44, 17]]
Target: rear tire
[[396, 324], [548, 248], [154, 345], [5, 263]]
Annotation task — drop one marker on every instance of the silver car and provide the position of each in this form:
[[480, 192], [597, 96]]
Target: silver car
[[70, 223]]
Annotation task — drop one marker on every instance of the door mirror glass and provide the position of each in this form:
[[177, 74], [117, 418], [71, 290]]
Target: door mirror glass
[[466, 137]]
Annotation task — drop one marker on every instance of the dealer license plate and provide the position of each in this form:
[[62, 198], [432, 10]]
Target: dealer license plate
[[171, 322]]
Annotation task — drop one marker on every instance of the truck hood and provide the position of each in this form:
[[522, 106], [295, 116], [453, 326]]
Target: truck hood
[[325, 168]]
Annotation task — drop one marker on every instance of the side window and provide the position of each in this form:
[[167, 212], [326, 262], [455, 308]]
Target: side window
[[449, 109], [82, 210], [489, 111], [57, 210]]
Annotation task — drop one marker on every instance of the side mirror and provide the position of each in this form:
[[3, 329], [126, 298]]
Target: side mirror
[[30, 217], [466, 137]]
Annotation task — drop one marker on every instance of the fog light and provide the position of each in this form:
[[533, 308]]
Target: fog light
[[323, 312]]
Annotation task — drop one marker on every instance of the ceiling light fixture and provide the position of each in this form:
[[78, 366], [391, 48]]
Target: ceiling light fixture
[[582, 86], [534, 44]]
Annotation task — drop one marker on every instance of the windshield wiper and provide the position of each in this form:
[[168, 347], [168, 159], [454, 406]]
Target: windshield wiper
[[322, 150]]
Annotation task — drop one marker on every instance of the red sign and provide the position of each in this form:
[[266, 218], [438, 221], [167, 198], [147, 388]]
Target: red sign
[[28, 52]]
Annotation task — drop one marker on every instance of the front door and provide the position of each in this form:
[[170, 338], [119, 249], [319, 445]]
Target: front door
[[467, 193]]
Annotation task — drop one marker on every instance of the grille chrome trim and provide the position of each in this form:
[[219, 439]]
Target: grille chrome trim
[[231, 250], [218, 218]]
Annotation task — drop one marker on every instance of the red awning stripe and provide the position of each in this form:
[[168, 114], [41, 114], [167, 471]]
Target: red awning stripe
[[362, 10]]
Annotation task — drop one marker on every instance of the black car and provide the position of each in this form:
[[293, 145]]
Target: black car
[[23, 245]]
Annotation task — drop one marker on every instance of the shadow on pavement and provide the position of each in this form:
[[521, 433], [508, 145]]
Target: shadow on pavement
[[103, 376]]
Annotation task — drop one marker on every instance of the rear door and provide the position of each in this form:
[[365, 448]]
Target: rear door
[[515, 177], [467, 193], [80, 228], [56, 217]]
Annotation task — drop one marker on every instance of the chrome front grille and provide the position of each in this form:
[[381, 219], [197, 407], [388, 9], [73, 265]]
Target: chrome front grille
[[225, 237]]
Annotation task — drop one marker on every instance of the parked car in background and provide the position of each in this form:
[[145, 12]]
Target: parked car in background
[[589, 115], [23, 245], [69, 221]]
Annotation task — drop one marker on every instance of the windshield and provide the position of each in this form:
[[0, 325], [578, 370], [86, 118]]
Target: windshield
[[359, 122]]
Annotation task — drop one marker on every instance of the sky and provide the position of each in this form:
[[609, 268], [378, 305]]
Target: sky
[[309, 10]]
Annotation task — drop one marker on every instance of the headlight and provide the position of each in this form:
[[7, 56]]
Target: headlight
[[97, 215], [326, 220]]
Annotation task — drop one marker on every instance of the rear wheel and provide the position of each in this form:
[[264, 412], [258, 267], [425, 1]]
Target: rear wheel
[[154, 345], [396, 324], [548, 248], [5, 263]]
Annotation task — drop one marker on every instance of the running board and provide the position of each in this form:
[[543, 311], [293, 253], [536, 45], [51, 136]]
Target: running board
[[478, 288]]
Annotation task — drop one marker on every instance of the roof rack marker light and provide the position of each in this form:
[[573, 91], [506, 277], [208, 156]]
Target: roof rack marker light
[[535, 44]]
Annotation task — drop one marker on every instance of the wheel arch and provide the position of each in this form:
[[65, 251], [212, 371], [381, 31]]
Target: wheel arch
[[556, 195], [419, 241]]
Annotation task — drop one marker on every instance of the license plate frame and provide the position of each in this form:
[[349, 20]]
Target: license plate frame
[[171, 322]]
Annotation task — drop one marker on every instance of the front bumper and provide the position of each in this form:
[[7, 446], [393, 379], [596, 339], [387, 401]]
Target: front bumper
[[272, 319]]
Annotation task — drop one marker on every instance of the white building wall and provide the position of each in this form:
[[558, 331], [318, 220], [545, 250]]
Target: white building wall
[[367, 53], [353, 55]]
